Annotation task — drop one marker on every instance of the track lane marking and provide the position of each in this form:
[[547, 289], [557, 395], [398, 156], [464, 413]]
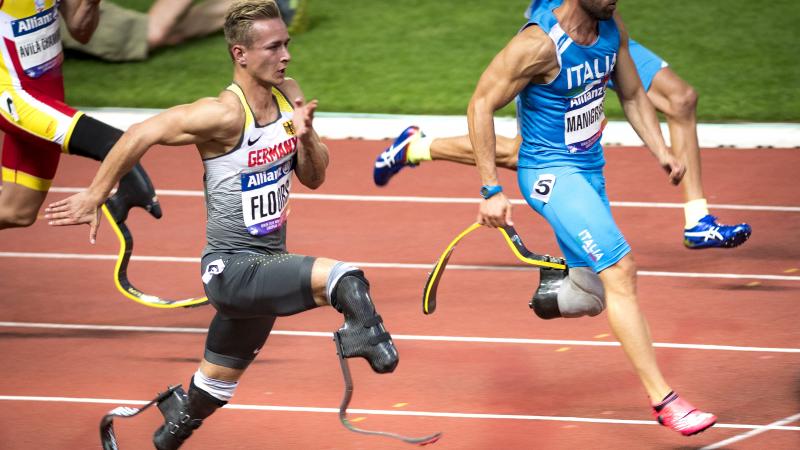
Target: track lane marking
[[383, 412], [450, 200], [384, 265], [756, 431], [400, 337]]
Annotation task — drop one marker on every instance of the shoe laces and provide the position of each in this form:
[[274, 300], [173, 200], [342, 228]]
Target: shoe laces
[[388, 156]]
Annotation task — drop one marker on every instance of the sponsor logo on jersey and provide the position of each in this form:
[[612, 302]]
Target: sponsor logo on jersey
[[34, 23]]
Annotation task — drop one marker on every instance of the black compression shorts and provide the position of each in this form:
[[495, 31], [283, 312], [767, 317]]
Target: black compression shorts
[[248, 291], [256, 285]]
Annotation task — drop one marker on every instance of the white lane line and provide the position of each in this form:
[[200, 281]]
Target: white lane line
[[450, 200], [380, 265], [754, 432], [383, 412], [400, 337]]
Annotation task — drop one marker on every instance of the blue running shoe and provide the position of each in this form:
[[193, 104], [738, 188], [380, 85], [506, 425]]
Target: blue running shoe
[[394, 158], [708, 233]]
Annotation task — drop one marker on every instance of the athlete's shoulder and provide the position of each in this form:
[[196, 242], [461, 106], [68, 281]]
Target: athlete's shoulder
[[290, 89], [225, 111], [230, 109], [534, 41], [617, 21]]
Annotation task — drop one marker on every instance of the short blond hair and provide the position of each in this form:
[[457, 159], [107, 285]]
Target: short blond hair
[[240, 17]]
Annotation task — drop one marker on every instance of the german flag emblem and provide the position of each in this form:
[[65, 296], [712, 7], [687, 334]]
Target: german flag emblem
[[289, 127]]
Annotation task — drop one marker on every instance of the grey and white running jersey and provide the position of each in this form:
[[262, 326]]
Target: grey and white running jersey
[[247, 189]]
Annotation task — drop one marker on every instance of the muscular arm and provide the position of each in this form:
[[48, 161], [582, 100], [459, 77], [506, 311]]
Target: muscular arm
[[639, 110], [312, 154], [529, 56], [206, 121], [203, 121], [80, 17]]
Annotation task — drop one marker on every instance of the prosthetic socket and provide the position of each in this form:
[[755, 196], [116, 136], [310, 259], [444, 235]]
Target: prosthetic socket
[[573, 292], [363, 333], [183, 413]]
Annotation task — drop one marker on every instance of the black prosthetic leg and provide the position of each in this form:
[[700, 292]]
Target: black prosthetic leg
[[363, 333], [135, 189], [183, 413], [94, 139]]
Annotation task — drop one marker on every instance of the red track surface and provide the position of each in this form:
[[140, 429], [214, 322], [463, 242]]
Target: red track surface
[[513, 379]]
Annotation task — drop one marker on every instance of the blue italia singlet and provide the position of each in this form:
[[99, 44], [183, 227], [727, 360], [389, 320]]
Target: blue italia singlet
[[561, 122]]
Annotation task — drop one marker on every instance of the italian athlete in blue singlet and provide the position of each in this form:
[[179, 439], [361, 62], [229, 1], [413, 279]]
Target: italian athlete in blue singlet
[[559, 76], [561, 159]]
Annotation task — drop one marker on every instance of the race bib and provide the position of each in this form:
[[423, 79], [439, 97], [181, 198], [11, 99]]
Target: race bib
[[585, 118], [264, 198], [543, 187], [38, 42]]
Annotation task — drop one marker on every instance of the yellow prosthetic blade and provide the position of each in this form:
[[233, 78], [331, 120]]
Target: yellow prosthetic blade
[[121, 272], [514, 242], [429, 294]]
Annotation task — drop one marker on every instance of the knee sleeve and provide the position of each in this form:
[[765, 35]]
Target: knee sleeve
[[581, 294], [234, 343], [576, 293], [92, 138]]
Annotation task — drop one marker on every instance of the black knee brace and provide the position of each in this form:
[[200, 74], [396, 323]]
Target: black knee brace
[[363, 333], [183, 413]]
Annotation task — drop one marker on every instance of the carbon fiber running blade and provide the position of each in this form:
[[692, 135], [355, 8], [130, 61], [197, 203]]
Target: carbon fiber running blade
[[348, 395]]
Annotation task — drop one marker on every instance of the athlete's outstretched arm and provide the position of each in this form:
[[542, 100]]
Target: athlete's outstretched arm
[[640, 111], [312, 154], [529, 56], [80, 17], [203, 121]]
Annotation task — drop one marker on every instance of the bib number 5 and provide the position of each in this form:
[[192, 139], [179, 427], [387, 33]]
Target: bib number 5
[[543, 187]]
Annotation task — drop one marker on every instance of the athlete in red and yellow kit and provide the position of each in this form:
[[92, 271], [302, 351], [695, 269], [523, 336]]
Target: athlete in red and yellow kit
[[38, 125]]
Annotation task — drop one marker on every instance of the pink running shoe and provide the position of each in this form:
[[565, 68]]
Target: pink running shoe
[[681, 416]]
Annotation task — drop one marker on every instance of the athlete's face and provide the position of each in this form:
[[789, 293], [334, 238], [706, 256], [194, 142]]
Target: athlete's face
[[599, 9], [268, 55]]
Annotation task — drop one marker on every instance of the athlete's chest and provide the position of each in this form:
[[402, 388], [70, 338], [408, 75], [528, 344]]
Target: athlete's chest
[[581, 68], [263, 147]]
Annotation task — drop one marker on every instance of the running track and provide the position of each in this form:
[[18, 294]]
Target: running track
[[483, 369]]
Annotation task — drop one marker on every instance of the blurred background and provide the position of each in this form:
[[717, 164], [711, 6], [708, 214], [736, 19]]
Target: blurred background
[[425, 57]]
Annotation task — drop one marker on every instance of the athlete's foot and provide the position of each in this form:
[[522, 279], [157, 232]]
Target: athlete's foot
[[707, 233], [394, 158], [679, 415], [135, 189]]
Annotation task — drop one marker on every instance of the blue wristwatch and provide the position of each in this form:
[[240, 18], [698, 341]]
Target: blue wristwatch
[[488, 191]]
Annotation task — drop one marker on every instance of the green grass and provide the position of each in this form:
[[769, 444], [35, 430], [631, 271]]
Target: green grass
[[425, 56]]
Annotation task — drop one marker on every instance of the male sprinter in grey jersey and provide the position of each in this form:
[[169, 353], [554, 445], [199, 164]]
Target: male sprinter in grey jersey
[[251, 139]]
